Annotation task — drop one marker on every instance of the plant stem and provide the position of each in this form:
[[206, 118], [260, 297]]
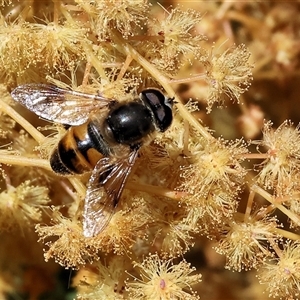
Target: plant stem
[[39, 137], [10, 159], [272, 200], [155, 190]]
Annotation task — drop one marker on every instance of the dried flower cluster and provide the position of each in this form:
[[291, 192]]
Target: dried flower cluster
[[224, 178]]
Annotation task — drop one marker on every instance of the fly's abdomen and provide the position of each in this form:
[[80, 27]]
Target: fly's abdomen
[[79, 150]]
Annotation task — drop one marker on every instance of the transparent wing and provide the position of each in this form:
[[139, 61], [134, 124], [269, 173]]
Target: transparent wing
[[104, 190], [59, 105]]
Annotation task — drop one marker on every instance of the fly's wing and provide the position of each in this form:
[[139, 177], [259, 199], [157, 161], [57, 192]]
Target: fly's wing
[[59, 105], [104, 190]]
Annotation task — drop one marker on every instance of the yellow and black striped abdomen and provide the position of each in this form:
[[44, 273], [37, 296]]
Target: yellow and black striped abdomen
[[79, 150]]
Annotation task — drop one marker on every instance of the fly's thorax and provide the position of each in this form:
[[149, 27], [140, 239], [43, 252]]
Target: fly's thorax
[[129, 123]]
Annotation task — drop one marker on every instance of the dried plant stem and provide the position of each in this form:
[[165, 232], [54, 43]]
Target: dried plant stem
[[124, 67], [288, 234], [254, 156], [86, 75], [10, 159], [188, 79], [78, 186], [265, 211], [275, 247], [93, 60], [249, 205], [272, 200], [69, 189], [39, 137], [56, 11], [155, 190]]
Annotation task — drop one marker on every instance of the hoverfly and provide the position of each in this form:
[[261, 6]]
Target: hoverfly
[[104, 137]]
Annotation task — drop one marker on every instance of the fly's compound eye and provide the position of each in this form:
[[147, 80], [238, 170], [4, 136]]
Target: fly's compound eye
[[160, 106]]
